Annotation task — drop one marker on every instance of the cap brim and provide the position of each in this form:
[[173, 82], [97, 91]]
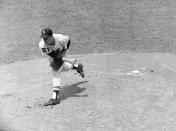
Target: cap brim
[[44, 36]]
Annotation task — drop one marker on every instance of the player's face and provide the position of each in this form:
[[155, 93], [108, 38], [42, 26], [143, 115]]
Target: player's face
[[49, 40]]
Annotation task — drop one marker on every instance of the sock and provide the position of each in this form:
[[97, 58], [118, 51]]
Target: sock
[[75, 66], [55, 94]]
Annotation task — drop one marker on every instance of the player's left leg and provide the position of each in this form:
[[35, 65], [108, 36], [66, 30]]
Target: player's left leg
[[56, 89], [56, 72]]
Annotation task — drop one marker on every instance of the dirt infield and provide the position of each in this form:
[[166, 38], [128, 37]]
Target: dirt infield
[[110, 98]]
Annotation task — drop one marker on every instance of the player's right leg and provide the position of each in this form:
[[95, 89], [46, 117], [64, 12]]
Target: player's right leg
[[69, 60], [76, 66], [79, 68]]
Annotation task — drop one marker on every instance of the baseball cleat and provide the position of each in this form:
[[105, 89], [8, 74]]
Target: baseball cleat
[[52, 102], [80, 70]]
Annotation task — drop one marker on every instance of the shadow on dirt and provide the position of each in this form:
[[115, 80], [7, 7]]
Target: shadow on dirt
[[72, 91], [66, 92]]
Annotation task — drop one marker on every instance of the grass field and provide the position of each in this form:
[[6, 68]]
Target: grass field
[[111, 38], [95, 26]]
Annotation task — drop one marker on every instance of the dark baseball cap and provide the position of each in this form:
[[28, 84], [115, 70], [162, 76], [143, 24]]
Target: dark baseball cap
[[46, 32]]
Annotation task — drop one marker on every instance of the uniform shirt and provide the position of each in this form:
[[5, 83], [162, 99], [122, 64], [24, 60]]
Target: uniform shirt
[[61, 42]]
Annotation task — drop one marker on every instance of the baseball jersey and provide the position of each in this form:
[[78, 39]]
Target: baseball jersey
[[61, 42]]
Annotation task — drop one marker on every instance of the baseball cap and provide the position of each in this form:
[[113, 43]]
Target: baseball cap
[[46, 32]]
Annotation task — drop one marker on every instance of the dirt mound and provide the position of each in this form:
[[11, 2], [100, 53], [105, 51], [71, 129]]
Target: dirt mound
[[108, 99]]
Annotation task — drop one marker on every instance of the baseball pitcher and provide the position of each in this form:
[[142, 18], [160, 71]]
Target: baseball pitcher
[[55, 46]]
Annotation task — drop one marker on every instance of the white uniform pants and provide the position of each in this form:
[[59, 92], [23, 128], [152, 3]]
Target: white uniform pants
[[57, 74]]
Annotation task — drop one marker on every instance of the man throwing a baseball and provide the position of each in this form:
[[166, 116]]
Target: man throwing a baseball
[[55, 46]]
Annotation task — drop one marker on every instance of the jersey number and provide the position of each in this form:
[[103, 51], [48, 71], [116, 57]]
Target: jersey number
[[45, 50]]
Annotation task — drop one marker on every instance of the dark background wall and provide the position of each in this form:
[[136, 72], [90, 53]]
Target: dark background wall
[[94, 26]]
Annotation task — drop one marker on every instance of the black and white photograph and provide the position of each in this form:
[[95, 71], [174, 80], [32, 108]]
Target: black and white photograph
[[87, 65]]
